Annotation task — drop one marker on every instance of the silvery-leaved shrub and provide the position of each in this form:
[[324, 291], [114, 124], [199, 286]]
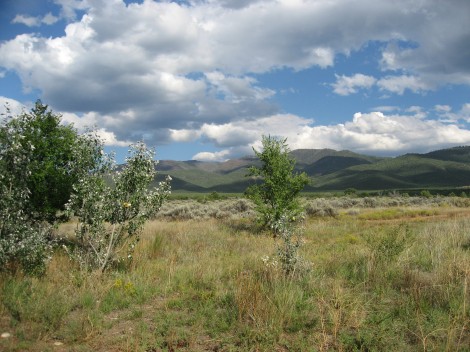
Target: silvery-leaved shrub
[[24, 241], [112, 206], [291, 240]]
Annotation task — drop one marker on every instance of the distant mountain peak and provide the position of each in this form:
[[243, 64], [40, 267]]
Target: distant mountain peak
[[332, 170]]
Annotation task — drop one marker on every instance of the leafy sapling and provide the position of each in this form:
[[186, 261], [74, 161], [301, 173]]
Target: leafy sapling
[[277, 193], [111, 217]]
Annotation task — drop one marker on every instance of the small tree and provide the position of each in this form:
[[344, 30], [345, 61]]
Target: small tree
[[23, 241], [350, 192], [110, 217], [277, 196], [53, 162], [40, 160], [425, 193]]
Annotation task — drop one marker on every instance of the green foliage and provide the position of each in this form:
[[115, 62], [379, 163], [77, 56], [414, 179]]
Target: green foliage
[[214, 196], [388, 245], [40, 161], [23, 240], [24, 299], [425, 193], [277, 195], [52, 159], [111, 217]]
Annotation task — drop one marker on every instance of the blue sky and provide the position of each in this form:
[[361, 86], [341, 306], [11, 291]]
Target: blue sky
[[205, 79]]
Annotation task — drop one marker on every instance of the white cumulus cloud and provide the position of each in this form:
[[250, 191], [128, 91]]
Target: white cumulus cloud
[[11, 107], [29, 21], [212, 156], [398, 84], [371, 133], [346, 85], [35, 21]]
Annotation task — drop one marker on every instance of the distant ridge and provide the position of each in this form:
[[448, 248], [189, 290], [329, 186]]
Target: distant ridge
[[331, 170]]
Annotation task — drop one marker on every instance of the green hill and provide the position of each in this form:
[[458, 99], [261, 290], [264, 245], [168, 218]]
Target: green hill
[[310, 156], [458, 154], [332, 170], [407, 172], [330, 164]]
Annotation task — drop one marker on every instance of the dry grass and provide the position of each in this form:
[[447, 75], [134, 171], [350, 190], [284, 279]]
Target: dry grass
[[378, 282]]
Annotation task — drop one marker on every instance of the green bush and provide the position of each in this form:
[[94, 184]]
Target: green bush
[[277, 195], [425, 193], [57, 157], [350, 192], [40, 160]]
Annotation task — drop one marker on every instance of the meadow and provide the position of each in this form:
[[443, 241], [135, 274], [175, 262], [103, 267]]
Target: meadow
[[381, 274]]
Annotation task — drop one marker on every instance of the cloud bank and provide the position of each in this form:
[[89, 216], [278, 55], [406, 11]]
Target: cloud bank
[[372, 133], [172, 71]]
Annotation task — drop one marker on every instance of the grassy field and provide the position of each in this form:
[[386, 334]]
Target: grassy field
[[385, 275]]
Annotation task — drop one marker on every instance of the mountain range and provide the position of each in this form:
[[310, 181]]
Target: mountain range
[[331, 170]]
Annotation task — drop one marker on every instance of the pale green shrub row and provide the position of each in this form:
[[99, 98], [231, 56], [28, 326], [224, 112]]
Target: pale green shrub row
[[330, 206], [220, 209], [189, 209]]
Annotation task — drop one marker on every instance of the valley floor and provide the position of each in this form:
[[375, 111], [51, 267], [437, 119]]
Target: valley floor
[[379, 277]]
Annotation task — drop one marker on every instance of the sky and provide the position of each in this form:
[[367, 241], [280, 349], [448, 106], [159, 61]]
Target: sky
[[206, 79]]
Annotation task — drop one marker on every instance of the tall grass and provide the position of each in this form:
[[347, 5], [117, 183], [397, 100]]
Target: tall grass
[[377, 283]]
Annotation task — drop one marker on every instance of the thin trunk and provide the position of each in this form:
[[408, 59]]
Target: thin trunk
[[110, 246]]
